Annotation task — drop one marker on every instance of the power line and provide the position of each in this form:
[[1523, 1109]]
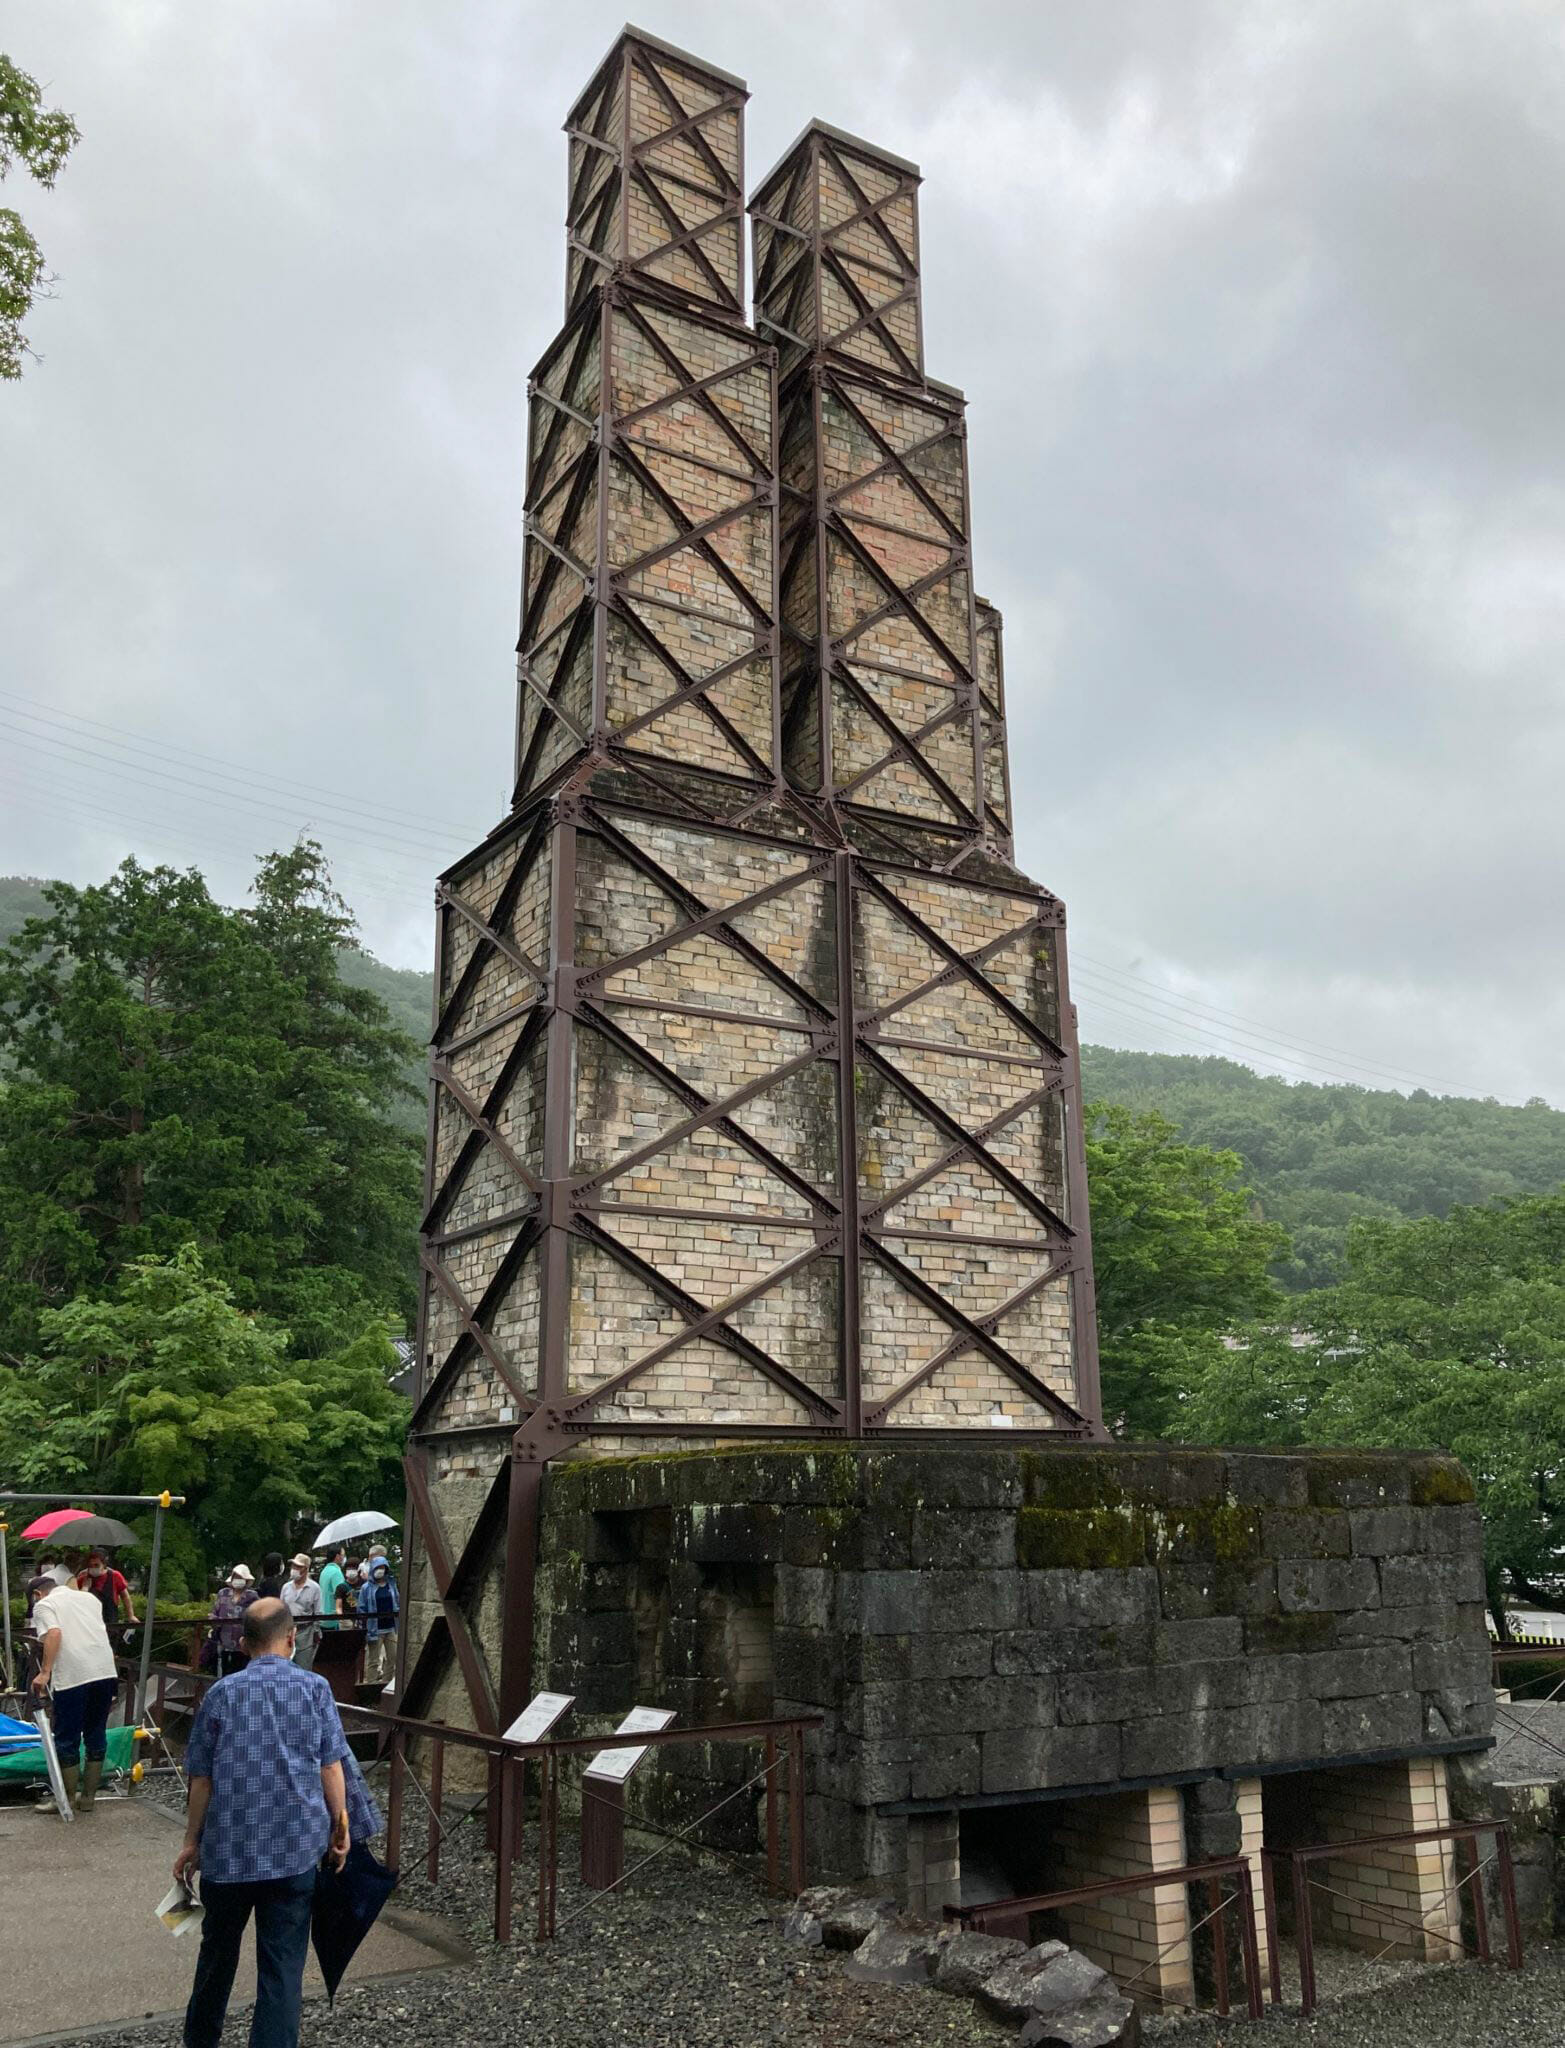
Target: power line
[[28, 707], [1230, 1039], [1293, 1041], [1202, 1047], [200, 839], [86, 760], [118, 755]]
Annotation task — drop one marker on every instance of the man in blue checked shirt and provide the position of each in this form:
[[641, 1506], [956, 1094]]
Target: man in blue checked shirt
[[267, 1802]]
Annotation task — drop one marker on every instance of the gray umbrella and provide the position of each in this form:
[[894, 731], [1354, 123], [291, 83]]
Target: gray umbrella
[[92, 1532]]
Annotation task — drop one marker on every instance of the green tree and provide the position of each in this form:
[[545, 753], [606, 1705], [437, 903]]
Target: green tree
[[1179, 1258], [1448, 1333], [165, 1383], [182, 1072], [1320, 1158], [39, 138]]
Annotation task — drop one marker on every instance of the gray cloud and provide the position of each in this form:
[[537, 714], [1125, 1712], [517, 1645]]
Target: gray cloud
[[1258, 311]]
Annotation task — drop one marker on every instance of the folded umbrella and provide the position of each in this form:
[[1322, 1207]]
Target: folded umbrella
[[346, 1906]]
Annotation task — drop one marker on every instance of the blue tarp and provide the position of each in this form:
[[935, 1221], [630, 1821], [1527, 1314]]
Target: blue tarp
[[17, 1734]]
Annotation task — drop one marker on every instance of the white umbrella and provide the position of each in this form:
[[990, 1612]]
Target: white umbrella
[[364, 1522]]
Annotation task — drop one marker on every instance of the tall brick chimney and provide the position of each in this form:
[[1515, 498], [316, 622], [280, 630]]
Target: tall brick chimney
[[755, 1108]]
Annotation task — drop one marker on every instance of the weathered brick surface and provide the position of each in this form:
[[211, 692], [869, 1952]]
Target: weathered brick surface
[[653, 568]]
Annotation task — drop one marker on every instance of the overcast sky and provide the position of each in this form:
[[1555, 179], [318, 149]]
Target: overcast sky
[[1260, 311]]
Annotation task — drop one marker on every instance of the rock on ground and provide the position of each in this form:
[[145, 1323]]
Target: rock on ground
[[1106, 2021], [890, 1954]]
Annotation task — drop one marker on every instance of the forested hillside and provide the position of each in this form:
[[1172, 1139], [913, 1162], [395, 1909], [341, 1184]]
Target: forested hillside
[[21, 897], [1319, 1156], [1315, 1156]]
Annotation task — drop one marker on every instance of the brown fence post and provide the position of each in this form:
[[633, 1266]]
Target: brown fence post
[[548, 1864], [773, 1876], [1217, 1905], [1273, 1944], [1305, 1934], [1513, 1925], [437, 1825], [394, 1798], [505, 1855], [1480, 1904], [796, 1809], [1250, 1939]]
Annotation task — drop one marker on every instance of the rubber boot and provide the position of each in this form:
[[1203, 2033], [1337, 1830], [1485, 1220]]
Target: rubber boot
[[92, 1778], [68, 1773]]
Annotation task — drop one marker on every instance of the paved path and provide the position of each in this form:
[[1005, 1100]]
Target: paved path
[[89, 1890]]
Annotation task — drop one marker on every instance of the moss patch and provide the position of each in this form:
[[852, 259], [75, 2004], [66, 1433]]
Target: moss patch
[[1216, 1529], [1074, 1479], [1441, 1483], [1080, 1539]]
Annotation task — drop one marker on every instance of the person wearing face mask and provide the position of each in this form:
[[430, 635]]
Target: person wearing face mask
[[378, 1606], [302, 1598], [233, 1597]]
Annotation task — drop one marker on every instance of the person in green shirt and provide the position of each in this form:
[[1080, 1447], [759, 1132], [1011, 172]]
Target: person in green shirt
[[332, 1576]]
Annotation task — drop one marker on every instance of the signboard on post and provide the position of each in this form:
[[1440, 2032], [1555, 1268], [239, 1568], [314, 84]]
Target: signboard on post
[[539, 1715], [603, 1799], [615, 1765]]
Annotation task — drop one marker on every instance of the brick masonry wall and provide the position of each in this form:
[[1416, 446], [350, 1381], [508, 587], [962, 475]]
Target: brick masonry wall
[[1247, 1803], [679, 181], [1396, 1901], [1141, 1938], [711, 1018], [991, 1621]]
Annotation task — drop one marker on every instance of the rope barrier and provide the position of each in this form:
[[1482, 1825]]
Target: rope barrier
[[625, 1876]]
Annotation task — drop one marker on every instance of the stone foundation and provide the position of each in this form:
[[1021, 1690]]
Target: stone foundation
[[994, 1628]]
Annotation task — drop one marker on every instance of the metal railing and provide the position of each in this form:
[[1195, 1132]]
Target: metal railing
[[1007, 1913], [781, 1737], [1361, 1848]]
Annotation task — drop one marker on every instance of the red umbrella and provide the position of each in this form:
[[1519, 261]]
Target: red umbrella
[[50, 1524]]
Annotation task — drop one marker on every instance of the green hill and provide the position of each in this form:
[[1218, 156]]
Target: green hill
[[407, 994], [1318, 1156], [21, 897]]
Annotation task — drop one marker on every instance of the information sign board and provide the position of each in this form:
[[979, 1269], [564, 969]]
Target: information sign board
[[616, 1765]]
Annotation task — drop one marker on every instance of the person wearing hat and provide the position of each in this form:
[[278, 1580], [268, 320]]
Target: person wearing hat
[[378, 1605], [302, 1598], [233, 1597]]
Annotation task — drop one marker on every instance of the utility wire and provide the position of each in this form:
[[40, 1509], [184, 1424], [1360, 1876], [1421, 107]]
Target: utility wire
[[1231, 1038], [1202, 1047], [94, 747], [42, 714], [1292, 1041], [201, 840], [91, 760]]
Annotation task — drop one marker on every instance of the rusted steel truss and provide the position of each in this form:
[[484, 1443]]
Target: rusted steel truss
[[755, 1109]]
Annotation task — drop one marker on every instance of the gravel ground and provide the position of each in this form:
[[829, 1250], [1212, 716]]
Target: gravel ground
[[1466, 2007], [1529, 1742], [691, 1955]]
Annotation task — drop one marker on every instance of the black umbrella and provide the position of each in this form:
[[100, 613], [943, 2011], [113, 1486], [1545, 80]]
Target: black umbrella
[[92, 1532], [346, 1906]]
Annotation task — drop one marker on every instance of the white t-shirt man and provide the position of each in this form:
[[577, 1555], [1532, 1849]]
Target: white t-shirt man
[[85, 1653]]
